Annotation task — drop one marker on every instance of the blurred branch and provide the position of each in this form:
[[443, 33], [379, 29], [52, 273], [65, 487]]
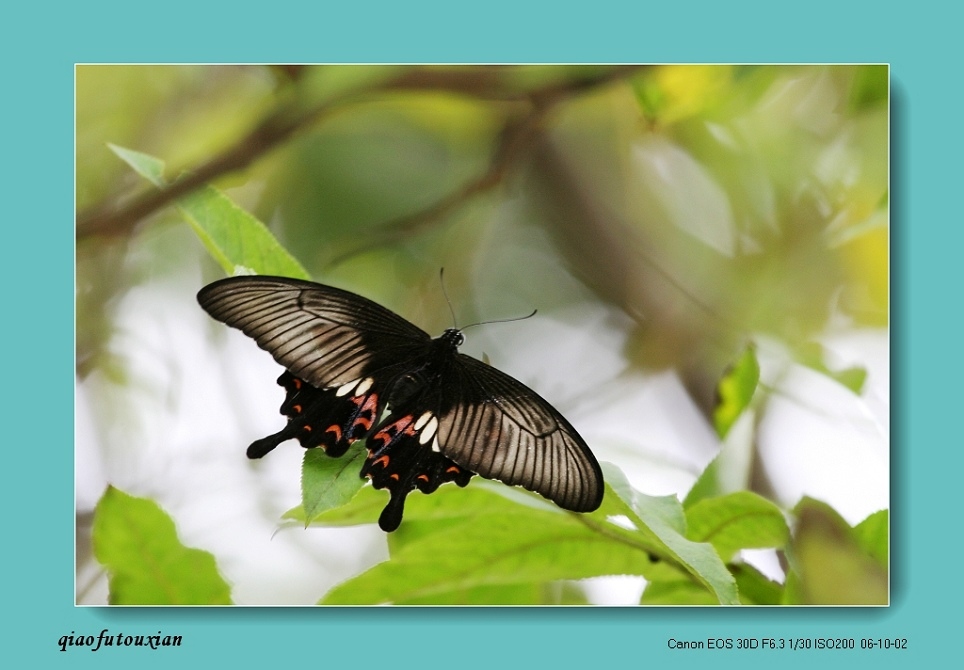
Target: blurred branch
[[516, 136], [482, 82]]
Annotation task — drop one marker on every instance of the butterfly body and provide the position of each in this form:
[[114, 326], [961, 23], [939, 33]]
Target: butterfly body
[[429, 414]]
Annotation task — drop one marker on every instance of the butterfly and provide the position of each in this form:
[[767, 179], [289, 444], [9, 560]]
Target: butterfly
[[429, 414]]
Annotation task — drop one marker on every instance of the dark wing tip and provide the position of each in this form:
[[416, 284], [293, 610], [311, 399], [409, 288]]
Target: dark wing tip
[[585, 494], [591, 499]]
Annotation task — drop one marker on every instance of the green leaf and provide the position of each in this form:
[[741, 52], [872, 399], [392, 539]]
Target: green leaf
[[451, 503], [830, 567], [517, 546], [238, 241], [146, 563], [755, 587], [677, 592], [436, 554], [364, 507], [459, 540], [145, 165], [873, 535], [730, 469], [742, 520], [707, 485], [552, 593], [735, 391], [664, 519], [326, 482]]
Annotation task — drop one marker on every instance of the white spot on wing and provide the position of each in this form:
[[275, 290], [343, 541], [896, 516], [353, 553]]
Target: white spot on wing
[[345, 389], [429, 433], [364, 385], [422, 420]]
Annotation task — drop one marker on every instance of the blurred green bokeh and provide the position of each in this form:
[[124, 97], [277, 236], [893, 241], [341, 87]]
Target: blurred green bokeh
[[706, 202]]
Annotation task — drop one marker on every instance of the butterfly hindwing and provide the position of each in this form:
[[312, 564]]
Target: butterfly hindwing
[[401, 460], [429, 414], [322, 417], [398, 456]]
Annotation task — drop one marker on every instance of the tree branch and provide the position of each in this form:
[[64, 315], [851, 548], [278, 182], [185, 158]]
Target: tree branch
[[482, 82]]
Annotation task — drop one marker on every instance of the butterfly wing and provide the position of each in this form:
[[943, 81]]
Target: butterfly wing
[[449, 414], [496, 426], [343, 355], [324, 335], [398, 459]]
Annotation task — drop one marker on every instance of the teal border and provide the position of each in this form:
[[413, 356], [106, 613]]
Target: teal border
[[41, 48]]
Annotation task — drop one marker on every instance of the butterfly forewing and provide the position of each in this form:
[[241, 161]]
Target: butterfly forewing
[[430, 415], [321, 334], [501, 429]]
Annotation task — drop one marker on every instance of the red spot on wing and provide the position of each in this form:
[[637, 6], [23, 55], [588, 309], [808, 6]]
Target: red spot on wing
[[367, 405], [405, 426]]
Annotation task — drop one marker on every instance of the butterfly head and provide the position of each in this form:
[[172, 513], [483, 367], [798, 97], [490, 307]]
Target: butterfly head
[[452, 337]]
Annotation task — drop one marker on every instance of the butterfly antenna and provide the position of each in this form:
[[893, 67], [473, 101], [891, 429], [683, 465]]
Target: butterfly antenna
[[515, 318], [441, 279]]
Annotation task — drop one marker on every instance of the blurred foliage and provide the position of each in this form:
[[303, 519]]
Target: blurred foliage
[[707, 204], [704, 201], [735, 391], [834, 564]]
